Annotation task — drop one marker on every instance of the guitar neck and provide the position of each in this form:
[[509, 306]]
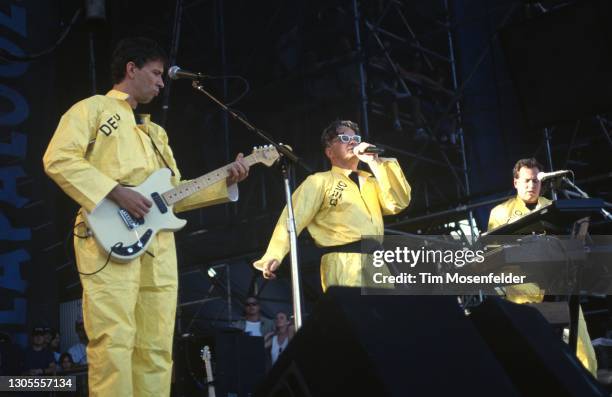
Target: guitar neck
[[209, 378], [187, 189]]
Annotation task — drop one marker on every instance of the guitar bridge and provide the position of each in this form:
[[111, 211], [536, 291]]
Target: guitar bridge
[[131, 222]]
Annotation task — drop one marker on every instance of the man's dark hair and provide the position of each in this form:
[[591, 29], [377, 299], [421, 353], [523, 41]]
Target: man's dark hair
[[527, 163], [331, 132], [139, 50]]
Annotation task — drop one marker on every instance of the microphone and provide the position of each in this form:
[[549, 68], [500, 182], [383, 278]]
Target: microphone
[[542, 176], [176, 73], [370, 150]]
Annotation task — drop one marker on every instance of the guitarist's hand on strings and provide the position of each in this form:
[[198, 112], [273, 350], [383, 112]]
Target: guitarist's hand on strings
[[238, 170], [132, 201]]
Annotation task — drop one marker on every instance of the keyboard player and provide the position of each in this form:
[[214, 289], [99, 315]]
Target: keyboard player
[[528, 199]]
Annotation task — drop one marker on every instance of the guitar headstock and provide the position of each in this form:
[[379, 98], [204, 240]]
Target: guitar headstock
[[205, 353], [265, 154]]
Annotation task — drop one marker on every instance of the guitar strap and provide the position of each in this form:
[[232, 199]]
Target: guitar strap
[[140, 121], [160, 154]]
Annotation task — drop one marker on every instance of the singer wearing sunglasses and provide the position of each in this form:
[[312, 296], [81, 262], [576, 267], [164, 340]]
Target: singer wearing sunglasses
[[341, 205]]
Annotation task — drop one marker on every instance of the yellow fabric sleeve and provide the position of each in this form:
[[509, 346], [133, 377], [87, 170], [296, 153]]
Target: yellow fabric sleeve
[[306, 203], [393, 189], [64, 160]]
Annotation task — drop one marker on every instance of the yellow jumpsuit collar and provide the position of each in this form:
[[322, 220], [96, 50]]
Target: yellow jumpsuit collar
[[144, 118], [118, 95], [346, 171]]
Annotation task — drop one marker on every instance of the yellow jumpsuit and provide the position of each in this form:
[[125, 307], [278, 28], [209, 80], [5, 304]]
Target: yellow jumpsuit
[[128, 309], [336, 211], [510, 211]]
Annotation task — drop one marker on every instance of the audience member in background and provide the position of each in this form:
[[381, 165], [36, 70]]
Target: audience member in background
[[48, 335], [278, 340], [78, 351], [38, 359], [65, 362], [64, 369], [54, 345], [254, 323]]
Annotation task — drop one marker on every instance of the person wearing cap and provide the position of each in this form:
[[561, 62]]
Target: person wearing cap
[[100, 148], [38, 360], [341, 205]]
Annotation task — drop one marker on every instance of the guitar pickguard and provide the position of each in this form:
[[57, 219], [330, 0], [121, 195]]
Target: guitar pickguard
[[131, 250]]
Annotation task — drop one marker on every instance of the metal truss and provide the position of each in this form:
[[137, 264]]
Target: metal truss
[[387, 31]]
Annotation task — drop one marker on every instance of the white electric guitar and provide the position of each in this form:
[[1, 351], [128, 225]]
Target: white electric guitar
[[125, 238]]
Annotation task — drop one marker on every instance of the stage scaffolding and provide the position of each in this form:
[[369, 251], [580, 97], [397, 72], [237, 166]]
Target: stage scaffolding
[[391, 29]]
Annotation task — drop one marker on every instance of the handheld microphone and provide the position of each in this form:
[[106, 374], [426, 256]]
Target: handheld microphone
[[370, 150], [176, 73], [542, 176]]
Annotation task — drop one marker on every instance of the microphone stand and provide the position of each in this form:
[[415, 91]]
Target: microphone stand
[[574, 302], [286, 154]]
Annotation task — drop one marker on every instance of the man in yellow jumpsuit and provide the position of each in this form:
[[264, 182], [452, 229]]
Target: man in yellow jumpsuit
[[528, 199], [100, 147], [339, 208]]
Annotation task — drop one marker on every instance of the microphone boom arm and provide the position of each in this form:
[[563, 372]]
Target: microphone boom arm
[[291, 228], [282, 149]]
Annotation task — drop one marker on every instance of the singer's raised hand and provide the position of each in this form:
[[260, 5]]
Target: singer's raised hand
[[268, 269], [365, 157]]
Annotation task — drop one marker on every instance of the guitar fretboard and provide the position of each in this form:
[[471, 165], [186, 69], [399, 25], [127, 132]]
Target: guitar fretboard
[[187, 189]]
